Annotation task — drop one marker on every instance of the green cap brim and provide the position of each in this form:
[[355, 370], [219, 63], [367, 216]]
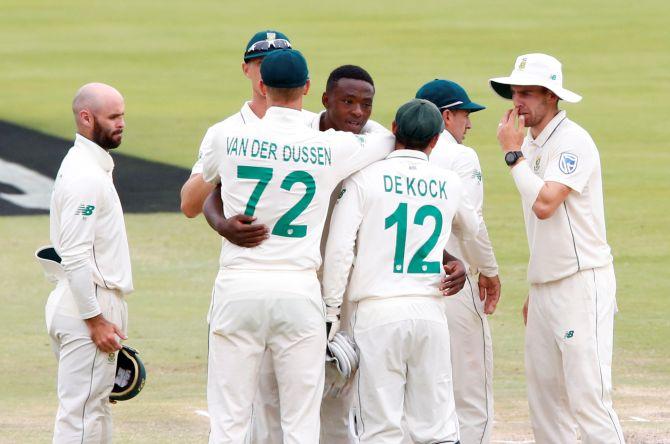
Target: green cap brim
[[472, 107]]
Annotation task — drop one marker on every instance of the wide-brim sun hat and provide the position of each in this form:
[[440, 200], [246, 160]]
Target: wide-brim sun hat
[[535, 70]]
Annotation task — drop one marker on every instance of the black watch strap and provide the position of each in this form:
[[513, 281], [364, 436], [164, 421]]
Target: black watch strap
[[511, 157]]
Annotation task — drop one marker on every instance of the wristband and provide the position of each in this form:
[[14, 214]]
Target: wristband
[[528, 184]]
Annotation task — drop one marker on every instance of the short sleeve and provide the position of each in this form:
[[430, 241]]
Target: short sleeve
[[209, 157], [572, 162], [205, 147]]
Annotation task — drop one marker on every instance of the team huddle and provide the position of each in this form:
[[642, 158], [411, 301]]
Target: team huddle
[[356, 271]]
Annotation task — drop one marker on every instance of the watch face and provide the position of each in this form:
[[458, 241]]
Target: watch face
[[511, 157]]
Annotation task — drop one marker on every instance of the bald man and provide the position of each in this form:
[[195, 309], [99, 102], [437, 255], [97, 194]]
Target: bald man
[[86, 314]]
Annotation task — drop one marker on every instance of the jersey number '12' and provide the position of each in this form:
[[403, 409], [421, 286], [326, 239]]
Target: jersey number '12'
[[283, 226], [417, 264]]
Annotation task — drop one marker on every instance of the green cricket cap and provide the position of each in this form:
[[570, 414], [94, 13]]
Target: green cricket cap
[[284, 69], [446, 94], [418, 121], [264, 42]]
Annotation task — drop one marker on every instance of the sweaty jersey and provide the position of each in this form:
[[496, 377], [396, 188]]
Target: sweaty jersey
[[477, 253], [243, 117], [574, 237], [86, 224], [400, 210], [283, 172]]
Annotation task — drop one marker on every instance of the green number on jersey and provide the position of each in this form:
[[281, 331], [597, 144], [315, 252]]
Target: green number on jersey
[[399, 216], [283, 226], [263, 175], [417, 264]]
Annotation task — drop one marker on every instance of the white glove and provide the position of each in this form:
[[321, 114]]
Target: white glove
[[332, 321]]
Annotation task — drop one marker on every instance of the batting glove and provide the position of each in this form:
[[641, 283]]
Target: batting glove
[[332, 322]]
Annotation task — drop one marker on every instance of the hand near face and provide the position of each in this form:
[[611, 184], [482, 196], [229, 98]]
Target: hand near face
[[511, 130]]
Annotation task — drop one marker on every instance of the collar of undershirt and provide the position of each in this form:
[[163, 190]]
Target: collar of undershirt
[[412, 154], [548, 130], [96, 152], [247, 114], [447, 137]]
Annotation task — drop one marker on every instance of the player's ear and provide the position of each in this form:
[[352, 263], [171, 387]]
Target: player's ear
[[324, 99], [306, 90], [394, 127], [262, 88], [245, 69], [446, 116]]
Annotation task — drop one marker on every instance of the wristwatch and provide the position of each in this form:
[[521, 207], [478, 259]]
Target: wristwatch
[[512, 156]]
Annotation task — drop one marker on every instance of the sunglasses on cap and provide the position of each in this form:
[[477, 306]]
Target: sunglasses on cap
[[458, 102], [265, 45]]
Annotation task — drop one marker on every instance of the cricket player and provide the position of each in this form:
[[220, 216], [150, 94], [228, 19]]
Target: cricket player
[[238, 229], [399, 214], [348, 101], [282, 172], [86, 314], [471, 344], [571, 302]]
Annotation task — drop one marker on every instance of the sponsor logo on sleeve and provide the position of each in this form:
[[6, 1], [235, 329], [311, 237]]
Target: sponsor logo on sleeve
[[567, 163], [476, 174], [84, 210]]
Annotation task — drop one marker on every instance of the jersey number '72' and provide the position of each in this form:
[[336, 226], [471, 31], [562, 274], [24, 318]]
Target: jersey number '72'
[[283, 226]]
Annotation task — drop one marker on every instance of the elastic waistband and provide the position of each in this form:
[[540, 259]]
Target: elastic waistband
[[401, 300]]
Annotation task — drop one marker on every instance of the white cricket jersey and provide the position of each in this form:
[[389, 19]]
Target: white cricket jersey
[[574, 237], [243, 117], [370, 127], [477, 254], [86, 220], [283, 172], [401, 210]]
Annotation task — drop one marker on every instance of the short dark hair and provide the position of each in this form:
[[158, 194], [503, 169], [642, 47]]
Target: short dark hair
[[412, 144], [348, 72]]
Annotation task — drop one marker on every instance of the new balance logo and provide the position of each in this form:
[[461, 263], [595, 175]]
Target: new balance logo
[[569, 334], [85, 210]]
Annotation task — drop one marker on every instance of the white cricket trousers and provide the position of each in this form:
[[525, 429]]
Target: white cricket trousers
[[569, 337], [85, 374], [266, 421], [405, 368], [471, 363], [255, 311]]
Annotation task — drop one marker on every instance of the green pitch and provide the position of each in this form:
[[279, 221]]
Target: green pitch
[[178, 64]]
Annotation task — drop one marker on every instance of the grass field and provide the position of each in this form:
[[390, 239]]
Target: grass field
[[178, 65]]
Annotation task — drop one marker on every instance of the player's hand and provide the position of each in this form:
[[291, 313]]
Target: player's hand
[[241, 230], [332, 322], [524, 311], [454, 281], [104, 334], [511, 130], [489, 292]]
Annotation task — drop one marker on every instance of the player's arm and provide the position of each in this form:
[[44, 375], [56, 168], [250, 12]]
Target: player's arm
[[79, 207], [193, 194], [466, 220], [346, 219], [195, 190], [237, 229], [359, 151], [560, 178], [479, 250]]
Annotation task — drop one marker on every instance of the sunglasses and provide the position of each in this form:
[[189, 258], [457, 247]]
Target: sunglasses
[[266, 45], [458, 102]]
